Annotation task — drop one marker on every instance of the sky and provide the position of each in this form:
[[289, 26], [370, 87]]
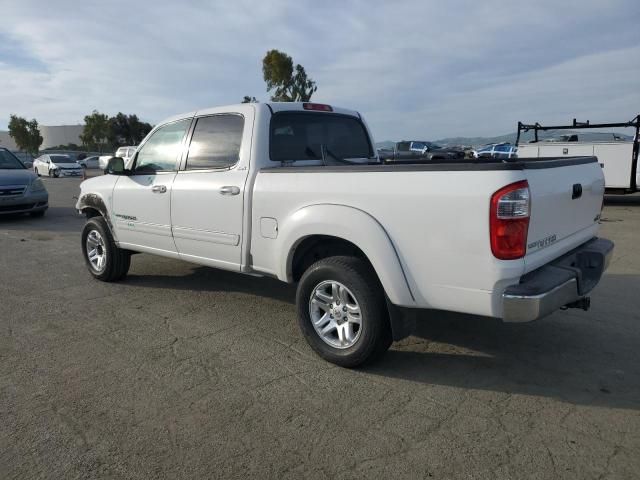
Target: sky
[[423, 69]]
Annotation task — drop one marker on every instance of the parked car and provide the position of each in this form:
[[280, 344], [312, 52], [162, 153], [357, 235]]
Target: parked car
[[126, 153], [385, 153], [21, 191], [497, 150], [57, 165], [295, 191], [103, 160], [411, 150], [90, 162]]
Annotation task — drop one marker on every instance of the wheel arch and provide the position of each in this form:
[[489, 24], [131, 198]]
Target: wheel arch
[[93, 205], [340, 228]]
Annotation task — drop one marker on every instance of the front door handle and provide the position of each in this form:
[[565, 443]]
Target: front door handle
[[159, 189], [229, 190]]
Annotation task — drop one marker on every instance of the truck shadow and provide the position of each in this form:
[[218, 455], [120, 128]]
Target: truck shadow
[[214, 280], [586, 358]]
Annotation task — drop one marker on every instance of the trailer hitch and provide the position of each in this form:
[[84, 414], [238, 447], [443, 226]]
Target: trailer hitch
[[584, 303]]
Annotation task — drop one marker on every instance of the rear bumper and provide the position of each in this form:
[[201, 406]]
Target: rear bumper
[[558, 284]]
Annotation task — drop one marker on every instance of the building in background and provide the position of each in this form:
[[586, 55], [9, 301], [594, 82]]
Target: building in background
[[52, 136], [6, 141]]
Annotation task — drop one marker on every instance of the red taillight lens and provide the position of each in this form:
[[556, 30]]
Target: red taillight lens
[[509, 221], [317, 106]]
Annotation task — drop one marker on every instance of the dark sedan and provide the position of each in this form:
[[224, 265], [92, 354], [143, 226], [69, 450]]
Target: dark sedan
[[21, 191]]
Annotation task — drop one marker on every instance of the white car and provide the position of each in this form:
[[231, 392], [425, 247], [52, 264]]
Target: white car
[[497, 150], [295, 191], [57, 165], [90, 162]]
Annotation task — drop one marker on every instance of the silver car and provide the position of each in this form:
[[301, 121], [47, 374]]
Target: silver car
[[21, 191]]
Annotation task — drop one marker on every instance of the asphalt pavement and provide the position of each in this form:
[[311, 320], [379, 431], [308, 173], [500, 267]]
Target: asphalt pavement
[[183, 371]]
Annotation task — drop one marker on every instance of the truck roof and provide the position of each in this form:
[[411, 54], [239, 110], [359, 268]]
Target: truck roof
[[273, 106]]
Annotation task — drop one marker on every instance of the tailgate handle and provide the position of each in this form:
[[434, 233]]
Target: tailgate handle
[[577, 191]]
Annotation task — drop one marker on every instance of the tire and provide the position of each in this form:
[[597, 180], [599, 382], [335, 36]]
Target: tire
[[37, 214], [35, 170], [371, 338], [53, 173], [117, 261]]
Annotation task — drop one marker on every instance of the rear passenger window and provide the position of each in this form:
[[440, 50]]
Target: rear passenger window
[[216, 142]]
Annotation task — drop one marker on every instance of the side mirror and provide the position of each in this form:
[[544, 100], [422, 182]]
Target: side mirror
[[28, 164], [115, 166]]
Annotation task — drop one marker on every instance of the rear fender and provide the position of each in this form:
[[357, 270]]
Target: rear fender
[[355, 226]]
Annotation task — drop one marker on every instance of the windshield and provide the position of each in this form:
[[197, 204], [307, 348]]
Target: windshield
[[304, 135], [8, 161], [60, 159]]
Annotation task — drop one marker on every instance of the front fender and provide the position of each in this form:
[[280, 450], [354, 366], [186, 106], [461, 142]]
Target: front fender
[[355, 226], [93, 201]]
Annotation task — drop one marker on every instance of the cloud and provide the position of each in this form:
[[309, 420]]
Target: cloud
[[423, 69]]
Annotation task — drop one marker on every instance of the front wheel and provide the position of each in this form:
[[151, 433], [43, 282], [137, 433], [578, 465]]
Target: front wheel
[[342, 312], [104, 259]]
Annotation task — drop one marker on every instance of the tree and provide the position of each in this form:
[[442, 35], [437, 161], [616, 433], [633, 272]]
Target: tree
[[288, 84], [127, 129], [248, 99], [25, 133], [96, 130]]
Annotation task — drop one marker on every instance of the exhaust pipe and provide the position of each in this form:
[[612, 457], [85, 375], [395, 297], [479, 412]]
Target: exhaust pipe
[[584, 304]]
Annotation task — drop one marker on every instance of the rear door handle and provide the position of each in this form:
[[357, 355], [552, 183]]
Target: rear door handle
[[159, 189], [229, 190]]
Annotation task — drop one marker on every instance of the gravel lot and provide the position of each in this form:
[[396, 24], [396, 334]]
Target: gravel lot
[[184, 371]]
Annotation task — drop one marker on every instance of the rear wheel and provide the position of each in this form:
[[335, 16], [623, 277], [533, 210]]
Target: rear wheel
[[35, 170], [104, 259], [342, 311]]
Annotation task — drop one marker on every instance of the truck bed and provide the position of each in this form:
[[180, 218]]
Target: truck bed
[[437, 217]]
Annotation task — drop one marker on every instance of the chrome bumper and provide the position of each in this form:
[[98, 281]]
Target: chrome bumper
[[561, 283]]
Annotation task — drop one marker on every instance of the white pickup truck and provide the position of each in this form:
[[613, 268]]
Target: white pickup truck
[[295, 191]]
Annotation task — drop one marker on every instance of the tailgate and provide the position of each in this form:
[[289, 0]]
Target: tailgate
[[566, 201]]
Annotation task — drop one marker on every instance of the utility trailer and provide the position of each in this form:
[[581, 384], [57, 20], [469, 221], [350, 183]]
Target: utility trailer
[[618, 159]]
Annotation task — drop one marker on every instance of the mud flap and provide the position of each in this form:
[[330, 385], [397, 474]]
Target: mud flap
[[402, 320]]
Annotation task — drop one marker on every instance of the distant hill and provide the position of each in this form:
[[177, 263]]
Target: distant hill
[[511, 138]]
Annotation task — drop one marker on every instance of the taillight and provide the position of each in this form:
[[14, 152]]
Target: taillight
[[320, 107], [509, 221]]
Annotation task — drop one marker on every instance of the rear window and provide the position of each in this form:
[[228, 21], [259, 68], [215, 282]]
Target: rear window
[[301, 136]]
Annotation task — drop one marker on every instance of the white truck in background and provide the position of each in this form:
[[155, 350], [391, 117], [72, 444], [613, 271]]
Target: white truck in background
[[295, 191], [618, 158], [126, 153]]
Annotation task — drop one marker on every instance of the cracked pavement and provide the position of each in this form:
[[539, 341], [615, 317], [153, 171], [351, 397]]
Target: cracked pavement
[[184, 371]]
